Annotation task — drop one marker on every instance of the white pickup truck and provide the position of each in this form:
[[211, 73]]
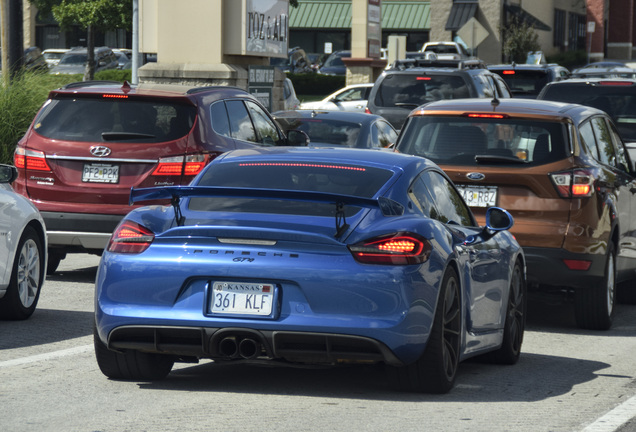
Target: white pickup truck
[[446, 50]]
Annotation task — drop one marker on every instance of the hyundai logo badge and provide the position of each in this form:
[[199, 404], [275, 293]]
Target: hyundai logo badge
[[475, 176], [100, 151]]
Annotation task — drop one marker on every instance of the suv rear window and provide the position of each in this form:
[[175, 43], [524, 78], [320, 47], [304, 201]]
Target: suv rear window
[[483, 141], [95, 120], [410, 90], [619, 101], [528, 82]]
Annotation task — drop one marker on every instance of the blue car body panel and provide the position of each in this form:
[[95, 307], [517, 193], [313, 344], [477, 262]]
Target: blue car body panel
[[319, 288]]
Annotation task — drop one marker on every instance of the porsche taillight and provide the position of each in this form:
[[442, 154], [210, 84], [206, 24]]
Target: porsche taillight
[[189, 165], [30, 159], [573, 184], [393, 249], [130, 237]]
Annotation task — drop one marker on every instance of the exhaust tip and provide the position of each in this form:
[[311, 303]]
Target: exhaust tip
[[248, 348]]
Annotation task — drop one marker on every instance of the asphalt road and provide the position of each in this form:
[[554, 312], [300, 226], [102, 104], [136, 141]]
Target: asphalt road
[[566, 380]]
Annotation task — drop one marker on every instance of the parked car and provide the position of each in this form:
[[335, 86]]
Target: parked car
[[34, 60], [306, 256], [22, 251], [607, 72], [296, 62], [124, 58], [414, 82], [446, 50], [74, 61], [615, 96], [334, 64], [350, 98], [527, 80], [92, 141], [52, 56], [563, 173], [335, 128]]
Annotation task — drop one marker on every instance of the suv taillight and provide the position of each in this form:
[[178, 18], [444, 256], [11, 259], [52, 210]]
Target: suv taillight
[[30, 159], [573, 184], [189, 165]]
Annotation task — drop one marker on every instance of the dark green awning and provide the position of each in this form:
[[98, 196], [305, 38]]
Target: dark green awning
[[460, 13], [331, 14]]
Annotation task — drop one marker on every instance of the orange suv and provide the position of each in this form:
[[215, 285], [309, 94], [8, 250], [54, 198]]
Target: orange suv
[[564, 174]]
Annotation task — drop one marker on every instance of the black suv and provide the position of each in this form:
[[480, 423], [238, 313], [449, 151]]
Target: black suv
[[527, 80], [615, 96], [413, 82]]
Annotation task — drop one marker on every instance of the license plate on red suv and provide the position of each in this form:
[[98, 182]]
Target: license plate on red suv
[[100, 173]]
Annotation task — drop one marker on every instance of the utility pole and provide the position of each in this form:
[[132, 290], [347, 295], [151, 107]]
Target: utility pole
[[11, 38]]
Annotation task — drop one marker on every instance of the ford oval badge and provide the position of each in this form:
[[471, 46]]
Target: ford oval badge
[[475, 176]]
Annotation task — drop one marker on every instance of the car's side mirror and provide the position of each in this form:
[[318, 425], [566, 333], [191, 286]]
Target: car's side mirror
[[498, 219], [297, 138], [8, 173]]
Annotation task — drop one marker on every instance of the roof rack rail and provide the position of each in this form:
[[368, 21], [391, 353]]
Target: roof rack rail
[[210, 87], [81, 84], [423, 63]]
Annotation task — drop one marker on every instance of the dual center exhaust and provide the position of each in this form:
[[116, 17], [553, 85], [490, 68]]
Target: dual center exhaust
[[236, 347]]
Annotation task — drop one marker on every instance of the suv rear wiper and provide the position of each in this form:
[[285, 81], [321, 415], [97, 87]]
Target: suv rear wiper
[[498, 159], [403, 104], [116, 136]]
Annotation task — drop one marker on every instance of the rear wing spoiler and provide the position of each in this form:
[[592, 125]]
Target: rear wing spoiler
[[175, 193]]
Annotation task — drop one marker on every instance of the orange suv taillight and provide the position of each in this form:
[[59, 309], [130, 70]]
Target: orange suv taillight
[[30, 159], [573, 184], [189, 165]]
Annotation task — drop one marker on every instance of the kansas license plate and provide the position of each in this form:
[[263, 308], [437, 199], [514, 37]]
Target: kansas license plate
[[479, 196], [100, 173], [242, 298]]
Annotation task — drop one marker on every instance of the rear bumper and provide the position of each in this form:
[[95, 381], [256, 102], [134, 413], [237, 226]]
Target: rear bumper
[[545, 266], [80, 230]]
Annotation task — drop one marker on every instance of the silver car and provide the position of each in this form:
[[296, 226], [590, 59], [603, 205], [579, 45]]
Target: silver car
[[22, 250]]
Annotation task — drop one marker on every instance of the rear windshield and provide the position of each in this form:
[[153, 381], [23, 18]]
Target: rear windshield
[[410, 90], [619, 101], [96, 120], [480, 141], [524, 82], [323, 131], [297, 176]]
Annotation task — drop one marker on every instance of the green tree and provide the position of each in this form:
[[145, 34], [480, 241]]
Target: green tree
[[519, 39], [92, 15]]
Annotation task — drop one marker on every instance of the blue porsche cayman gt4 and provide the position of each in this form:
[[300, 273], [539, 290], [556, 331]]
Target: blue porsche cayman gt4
[[310, 256]]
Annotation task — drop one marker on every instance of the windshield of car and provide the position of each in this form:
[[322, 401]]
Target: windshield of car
[[73, 59], [484, 141], [331, 178], [619, 101], [442, 49], [411, 90], [324, 131], [114, 119], [334, 60], [529, 82]]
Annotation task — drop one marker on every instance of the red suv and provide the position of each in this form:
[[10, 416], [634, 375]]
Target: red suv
[[91, 142], [563, 172]]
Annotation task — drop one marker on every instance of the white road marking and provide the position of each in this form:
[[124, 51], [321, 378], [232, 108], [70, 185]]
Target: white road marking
[[614, 419], [47, 356]]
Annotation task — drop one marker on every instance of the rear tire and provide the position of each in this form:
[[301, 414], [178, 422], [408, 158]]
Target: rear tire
[[515, 323], [27, 277], [435, 371], [131, 364], [595, 306]]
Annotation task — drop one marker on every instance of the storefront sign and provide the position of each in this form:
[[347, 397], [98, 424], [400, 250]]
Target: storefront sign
[[259, 27]]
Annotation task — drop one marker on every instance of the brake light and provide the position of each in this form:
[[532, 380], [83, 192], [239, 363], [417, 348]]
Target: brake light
[[422, 78], [130, 237], [508, 72], [616, 83], [482, 115], [573, 184], [189, 165], [368, 111], [114, 96], [393, 249], [30, 159]]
